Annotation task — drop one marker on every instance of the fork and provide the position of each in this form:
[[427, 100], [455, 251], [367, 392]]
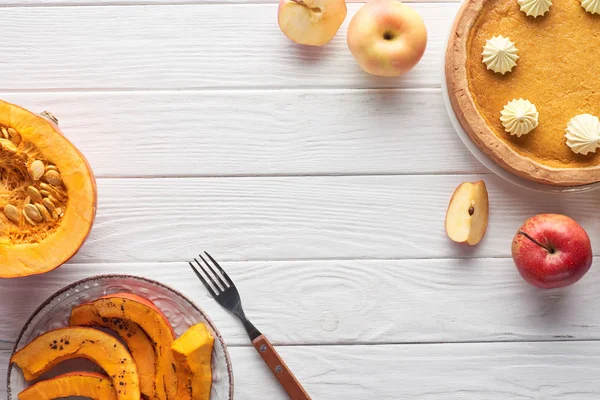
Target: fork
[[222, 288]]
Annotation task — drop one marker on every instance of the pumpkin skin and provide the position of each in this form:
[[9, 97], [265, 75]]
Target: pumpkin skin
[[49, 349], [156, 325], [193, 351], [85, 384], [30, 248], [138, 343]]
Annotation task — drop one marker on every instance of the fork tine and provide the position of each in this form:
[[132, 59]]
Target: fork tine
[[209, 275], [227, 278], [225, 286], [204, 282]]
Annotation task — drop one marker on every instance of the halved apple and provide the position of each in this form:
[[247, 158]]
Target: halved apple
[[467, 216], [311, 22]]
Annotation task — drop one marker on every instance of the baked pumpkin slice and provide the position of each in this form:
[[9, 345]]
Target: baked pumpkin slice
[[138, 343], [84, 384], [193, 355], [48, 194], [156, 325], [49, 349]]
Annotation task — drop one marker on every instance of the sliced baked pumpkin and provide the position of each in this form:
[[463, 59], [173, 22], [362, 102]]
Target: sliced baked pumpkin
[[193, 355], [85, 384], [49, 349], [47, 194], [156, 325], [138, 343]]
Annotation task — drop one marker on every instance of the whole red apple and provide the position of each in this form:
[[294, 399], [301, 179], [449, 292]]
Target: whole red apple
[[551, 251]]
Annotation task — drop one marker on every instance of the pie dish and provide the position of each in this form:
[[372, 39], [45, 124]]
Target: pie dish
[[557, 70]]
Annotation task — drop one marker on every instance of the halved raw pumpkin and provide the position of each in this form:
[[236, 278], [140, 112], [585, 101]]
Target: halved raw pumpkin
[[49, 349], [193, 355], [156, 325], [140, 346], [47, 194], [85, 384]]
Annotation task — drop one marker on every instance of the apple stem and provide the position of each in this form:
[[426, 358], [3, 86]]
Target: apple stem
[[548, 249]]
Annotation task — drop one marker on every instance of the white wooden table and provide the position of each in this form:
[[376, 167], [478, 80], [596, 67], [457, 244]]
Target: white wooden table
[[323, 191]]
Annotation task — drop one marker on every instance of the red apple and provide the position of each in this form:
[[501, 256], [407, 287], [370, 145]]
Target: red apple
[[387, 37], [551, 251]]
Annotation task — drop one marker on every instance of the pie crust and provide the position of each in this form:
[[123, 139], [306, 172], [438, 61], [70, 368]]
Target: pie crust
[[474, 123]]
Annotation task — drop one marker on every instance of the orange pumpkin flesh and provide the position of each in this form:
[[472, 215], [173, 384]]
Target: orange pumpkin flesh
[[49, 349], [42, 231], [140, 346], [193, 350], [152, 321], [85, 384]]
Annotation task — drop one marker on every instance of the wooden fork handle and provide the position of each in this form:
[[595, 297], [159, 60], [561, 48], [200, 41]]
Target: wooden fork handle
[[281, 371]]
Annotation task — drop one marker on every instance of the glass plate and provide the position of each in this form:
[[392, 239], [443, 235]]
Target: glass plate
[[488, 162], [182, 313]]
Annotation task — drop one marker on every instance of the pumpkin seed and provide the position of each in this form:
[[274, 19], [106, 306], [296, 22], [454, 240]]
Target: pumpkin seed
[[45, 193], [35, 194], [36, 170], [4, 132], [53, 178], [29, 220], [32, 212], [27, 200], [48, 204], [44, 211], [12, 213], [14, 136], [51, 168], [59, 211], [8, 145], [52, 190]]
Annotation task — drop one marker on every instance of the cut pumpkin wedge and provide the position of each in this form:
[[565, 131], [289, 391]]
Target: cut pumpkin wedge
[[154, 323], [84, 384], [193, 354], [49, 349], [140, 346]]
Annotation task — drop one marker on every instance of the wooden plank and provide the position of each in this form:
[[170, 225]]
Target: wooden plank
[[240, 133], [549, 371], [353, 302], [365, 217], [187, 46], [49, 3]]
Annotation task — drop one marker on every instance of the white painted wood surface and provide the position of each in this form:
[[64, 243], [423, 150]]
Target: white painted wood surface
[[323, 190]]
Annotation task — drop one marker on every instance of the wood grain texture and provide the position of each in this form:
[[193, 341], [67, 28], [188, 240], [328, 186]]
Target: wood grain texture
[[357, 302], [240, 133], [188, 46], [499, 371], [364, 217], [47, 3]]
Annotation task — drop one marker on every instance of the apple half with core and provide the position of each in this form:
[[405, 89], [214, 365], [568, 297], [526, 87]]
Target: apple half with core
[[311, 22], [551, 251], [467, 215], [387, 37]]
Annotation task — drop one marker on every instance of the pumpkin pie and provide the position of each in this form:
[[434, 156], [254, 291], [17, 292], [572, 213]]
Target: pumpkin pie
[[522, 76]]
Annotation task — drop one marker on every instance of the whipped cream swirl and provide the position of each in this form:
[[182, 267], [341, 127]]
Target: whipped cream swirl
[[591, 6], [536, 8], [583, 134], [500, 54], [519, 117]]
